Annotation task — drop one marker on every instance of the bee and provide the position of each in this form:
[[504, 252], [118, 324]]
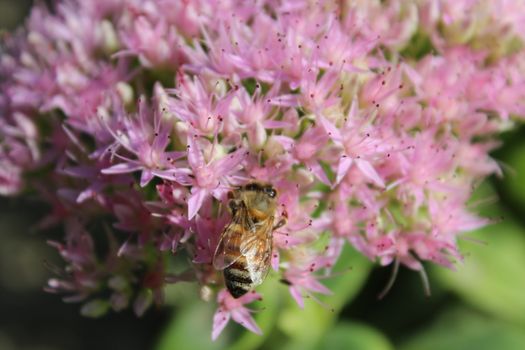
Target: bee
[[245, 246]]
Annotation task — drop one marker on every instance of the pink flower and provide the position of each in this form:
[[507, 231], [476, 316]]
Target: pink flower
[[302, 280], [197, 106], [145, 30], [370, 138], [449, 216], [147, 143], [207, 233], [214, 177], [234, 309], [360, 147], [256, 116], [306, 151], [316, 94], [425, 165]]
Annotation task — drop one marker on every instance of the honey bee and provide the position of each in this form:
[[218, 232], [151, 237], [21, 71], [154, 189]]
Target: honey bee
[[245, 247]]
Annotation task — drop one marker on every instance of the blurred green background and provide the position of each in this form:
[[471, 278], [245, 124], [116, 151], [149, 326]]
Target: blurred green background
[[479, 306]]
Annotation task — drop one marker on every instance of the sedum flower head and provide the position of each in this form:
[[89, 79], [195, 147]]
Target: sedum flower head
[[136, 118]]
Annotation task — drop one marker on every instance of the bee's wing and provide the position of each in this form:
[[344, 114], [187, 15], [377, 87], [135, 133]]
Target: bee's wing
[[257, 246], [228, 249]]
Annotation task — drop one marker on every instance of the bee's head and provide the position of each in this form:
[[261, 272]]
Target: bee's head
[[260, 196], [261, 188]]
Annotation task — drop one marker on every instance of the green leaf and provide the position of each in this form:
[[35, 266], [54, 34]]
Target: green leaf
[[513, 184], [466, 330], [190, 329], [420, 45], [305, 328], [354, 336], [492, 277]]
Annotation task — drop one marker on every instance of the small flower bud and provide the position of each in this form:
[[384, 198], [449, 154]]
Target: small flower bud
[[95, 308]]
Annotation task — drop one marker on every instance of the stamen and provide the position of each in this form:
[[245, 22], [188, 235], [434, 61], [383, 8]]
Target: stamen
[[424, 280], [391, 281], [474, 240], [325, 306]]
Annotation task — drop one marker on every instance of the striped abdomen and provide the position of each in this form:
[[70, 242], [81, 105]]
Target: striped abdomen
[[237, 278]]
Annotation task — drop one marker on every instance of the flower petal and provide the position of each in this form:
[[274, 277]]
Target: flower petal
[[352, 113], [296, 294], [287, 142], [182, 176], [142, 302], [220, 320], [195, 202], [249, 297], [342, 169], [195, 157], [86, 194], [285, 101], [145, 177], [368, 170], [316, 169], [315, 286], [229, 163], [242, 316], [332, 131], [121, 168]]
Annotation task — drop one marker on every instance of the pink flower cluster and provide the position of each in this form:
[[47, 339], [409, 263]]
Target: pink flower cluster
[[134, 118]]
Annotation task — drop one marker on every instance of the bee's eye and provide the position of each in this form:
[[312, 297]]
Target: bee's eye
[[270, 192]]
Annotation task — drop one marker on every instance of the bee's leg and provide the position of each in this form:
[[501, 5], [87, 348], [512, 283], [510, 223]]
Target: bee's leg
[[219, 209], [282, 221], [234, 205], [280, 224]]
